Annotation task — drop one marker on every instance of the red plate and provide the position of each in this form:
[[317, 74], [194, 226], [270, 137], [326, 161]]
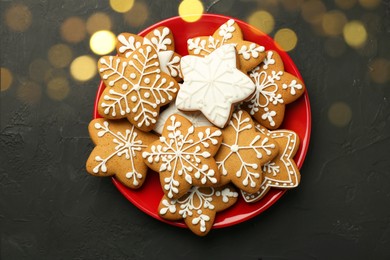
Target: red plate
[[297, 118]]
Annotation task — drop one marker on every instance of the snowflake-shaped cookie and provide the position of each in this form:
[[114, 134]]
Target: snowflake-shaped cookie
[[196, 118], [243, 152], [250, 54], [213, 84], [162, 40], [281, 172], [183, 156], [275, 88], [198, 207], [136, 87], [118, 151]]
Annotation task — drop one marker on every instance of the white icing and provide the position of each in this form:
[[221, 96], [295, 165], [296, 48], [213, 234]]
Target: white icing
[[293, 86], [213, 84], [160, 41], [250, 51], [196, 118], [268, 60], [181, 154], [128, 45]]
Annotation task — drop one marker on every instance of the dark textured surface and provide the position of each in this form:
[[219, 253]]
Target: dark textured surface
[[50, 208]]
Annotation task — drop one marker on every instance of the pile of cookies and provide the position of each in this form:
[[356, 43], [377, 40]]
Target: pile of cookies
[[218, 132]]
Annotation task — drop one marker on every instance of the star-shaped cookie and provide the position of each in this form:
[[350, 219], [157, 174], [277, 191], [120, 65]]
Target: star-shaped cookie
[[198, 207], [136, 87], [250, 54], [243, 152], [184, 156], [281, 172], [213, 84], [118, 151], [275, 88], [162, 40]]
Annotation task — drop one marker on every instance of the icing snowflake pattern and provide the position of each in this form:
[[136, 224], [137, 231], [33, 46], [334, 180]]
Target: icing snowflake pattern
[[198, 207], [213, 84], [184, 155], [136, 88], [243, 151]]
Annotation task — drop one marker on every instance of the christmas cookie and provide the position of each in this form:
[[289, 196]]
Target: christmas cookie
[[184, 156], [281, 172], [243, 152], [250, 54], [118, 151], [136, 87], [275, 88], [213, 84], [198, 207], [162, 40], [196, 118]]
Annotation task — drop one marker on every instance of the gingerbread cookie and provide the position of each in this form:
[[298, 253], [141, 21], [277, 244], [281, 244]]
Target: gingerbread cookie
[[162, 40], [136, 87], [250, 54], [184, 156], [275, 88], [281, 172], [213, 84], [198, 207], [243, 152], [196, 118], [118, 151]]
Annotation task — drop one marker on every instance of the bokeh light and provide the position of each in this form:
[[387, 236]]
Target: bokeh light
[[29, 93], [102, 42], [335, 46], [286, 39], [345, 4], [191, 10], [379, 70], [37, 69], [18, 17], [6, 79], [55, 73], [333, 23], [83, 68], [355, 34], [97, 22], [339, 114], [370, 4], [313, 11], [60, 55], [58, 88], [121, 6], [73, 30], [138, 15], [262, 20]]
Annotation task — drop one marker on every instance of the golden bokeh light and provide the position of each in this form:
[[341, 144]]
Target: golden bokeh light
[[58, 88], [339, 114], [121, 6], [370, 4], [335, 46], [379, 70], [29, 93], [6, 79], [83, 68], [292, 5], [345, 4], [191, 10], [313, 11], [102, 42], [333, 23], [73, 30], [138, 15], [18, 17], [54, 73], [97, 22], [37, 69], [355, 34], [60, 55], [286, 39], [262, 20]]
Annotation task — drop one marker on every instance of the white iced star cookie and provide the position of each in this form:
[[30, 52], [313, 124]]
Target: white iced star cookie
[[213, 84], [196, 118]]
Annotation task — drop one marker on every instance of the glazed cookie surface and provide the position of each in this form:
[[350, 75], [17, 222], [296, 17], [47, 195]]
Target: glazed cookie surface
[[198, 207], [118, 151], [184, 156]]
